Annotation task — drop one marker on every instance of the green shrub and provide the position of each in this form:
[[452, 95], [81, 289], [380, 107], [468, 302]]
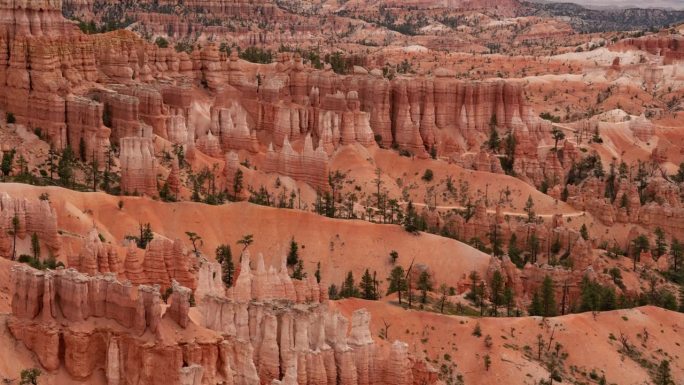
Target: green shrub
[[161, 42]]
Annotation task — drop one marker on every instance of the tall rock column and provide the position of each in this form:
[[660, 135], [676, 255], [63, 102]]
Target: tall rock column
[[138, 166]]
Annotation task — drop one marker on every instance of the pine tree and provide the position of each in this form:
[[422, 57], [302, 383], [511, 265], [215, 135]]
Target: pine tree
[[481, 291], [35, 246], [548, 298], [298, 272], [663, 375], [224, 256], [534, 246], [13, 232], [509, 300], [7, 160], [495, 240], [65, 167], [237, 183], [514, 251], [368, 290], [536, 308], [677, 252], [397, 281], [557, 136], [411, 219], [639, 245], [424, 285], [496, 292], [317, 274], [529, 209], [349, 288], [196, 240], [293, 254], [30, 376], [660, 243], [584, 232], [332, 292], [494, 142]]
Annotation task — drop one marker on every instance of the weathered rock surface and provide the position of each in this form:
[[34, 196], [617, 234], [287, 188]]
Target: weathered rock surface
[[34, 216], [263, 332], [311, 166], [138, 166]]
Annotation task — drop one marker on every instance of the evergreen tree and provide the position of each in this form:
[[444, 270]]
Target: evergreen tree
[[397, 281], [65, 167], [368, 287], [481, 290], [13, 232], [23, 166], [333, 292], [496, 292], [245, 241], [534, 246], [224, 256], [514, 251], [298, 272], [558, 135], [639, 245], [237, 183], [35, 246], [660, 243], [548, 298], [293, 254], [7, 161], [529, 209], [663, 375], [584, 232], [677, 252], [317, 274], [196, 240], [596, 297], [349, 288], [474, 293], [411, 219], [496, 241], [509, 300], [536, 308], [30, 376], [494, 142], [424, 285]]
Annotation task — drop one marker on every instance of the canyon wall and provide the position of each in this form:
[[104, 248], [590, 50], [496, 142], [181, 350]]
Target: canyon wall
[[32, 216], [258, 332]]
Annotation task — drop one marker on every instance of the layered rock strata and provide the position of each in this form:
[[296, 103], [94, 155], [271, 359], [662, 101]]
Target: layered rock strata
[[138, 166], [33, 216], [252, 336], [311, 166]]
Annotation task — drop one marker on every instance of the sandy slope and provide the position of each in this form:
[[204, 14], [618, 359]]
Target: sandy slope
[[586, 339], [339, 245]]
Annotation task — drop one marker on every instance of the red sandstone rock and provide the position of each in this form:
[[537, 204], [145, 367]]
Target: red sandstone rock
[[35, 216], [77, 297], [138, 166], [311, 166]]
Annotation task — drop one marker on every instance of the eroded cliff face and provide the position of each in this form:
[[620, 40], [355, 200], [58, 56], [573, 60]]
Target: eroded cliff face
[[160, 263], [671, 48], [138, 166], [32, 216], [267, 329], [90, 91], [665, 211]]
